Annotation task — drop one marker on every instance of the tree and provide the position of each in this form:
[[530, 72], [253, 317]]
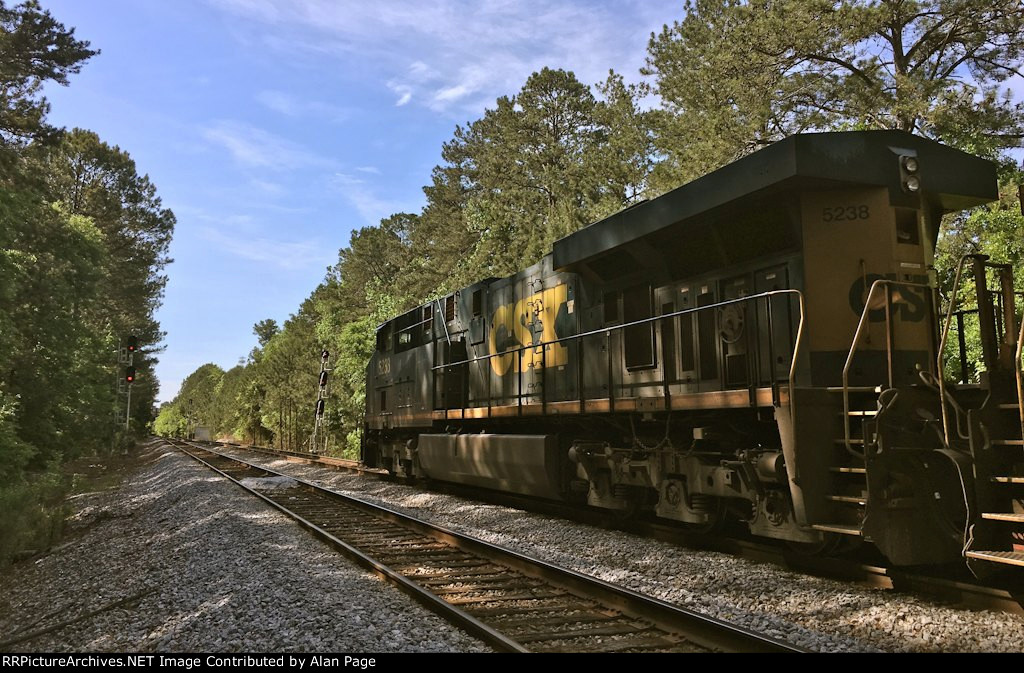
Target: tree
[[265, 331], [83, 241], [379, 258], [92, 179], [737, 75], [626, 157], [287, 373], [528, 171], [34, 48], [224, 412]]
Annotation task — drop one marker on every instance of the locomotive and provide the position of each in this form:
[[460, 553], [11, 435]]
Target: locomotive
[[759, 346]]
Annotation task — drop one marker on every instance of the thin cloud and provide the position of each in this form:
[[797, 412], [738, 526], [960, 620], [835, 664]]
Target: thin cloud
[[270, 188], [256, 148], [290, 106], [363, 197], [287, 255], [278, 102], [505, 41], [404, 92]]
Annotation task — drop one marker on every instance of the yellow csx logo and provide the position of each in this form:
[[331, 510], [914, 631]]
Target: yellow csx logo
[[531, 320]]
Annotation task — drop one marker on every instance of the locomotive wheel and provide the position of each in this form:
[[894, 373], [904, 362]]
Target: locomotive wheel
[[715, 508]]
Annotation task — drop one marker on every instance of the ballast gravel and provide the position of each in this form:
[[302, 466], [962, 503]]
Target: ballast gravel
[[815, 613], [206, 568]]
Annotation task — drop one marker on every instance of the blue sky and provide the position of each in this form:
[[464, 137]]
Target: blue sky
[[272, 128]]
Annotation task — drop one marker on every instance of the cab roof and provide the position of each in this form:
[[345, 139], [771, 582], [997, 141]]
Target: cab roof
[[950, 180]]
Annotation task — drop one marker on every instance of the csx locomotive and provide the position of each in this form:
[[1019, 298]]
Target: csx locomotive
[[760, 345]]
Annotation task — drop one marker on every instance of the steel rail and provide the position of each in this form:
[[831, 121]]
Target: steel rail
[[698, 629], [961, 591], [421, 595]]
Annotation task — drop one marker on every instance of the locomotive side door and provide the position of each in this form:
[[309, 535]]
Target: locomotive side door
[[688, 373], [774, 325], [529, 331], [381, 401], [733, 322], [667, 329], [706, 337], [501, 338]]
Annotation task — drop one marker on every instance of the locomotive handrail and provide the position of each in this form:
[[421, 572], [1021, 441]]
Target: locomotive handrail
[[942, 345], [608, 330], [1019, 373], [881, 282], [444, 323], [1009, 309]]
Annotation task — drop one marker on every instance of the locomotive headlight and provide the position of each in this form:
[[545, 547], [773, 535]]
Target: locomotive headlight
[[910, 181]]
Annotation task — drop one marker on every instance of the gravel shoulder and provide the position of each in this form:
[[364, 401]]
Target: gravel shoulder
[[206, 567], [816, 613]]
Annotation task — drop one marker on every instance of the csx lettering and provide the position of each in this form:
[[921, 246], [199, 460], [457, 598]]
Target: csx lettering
[[909, 303], [531, 320]]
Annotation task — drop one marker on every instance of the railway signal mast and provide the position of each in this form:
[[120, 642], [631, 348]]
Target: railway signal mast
[[319, 428], [128, 357]]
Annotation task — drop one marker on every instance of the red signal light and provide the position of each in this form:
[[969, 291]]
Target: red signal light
[[129, 375]]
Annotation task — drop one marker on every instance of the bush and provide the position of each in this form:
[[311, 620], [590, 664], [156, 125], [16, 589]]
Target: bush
[[33, 513]]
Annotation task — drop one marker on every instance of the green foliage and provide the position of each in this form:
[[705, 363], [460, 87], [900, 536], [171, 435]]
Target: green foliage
[[250, 401], [288, 374], [71, 295], [170, 421], [83, 241], [265, 331], [196, 404], [14, 453], [736, 75], [33, 513], [537, 167], [34, 49]]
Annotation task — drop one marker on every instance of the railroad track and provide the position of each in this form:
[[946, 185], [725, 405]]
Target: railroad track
[[509, 600], [958, 590]]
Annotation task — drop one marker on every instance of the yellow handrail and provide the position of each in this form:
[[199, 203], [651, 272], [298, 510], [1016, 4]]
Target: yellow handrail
[[888, 346], [942, 345], [1020, 377]]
